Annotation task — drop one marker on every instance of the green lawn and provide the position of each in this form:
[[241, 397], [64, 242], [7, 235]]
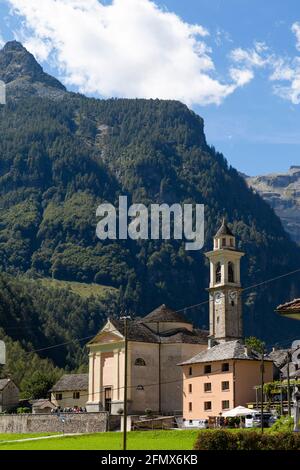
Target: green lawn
[[137, 440]]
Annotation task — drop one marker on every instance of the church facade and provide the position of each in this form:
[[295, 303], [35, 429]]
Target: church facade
[[156, 344], [223, 376]]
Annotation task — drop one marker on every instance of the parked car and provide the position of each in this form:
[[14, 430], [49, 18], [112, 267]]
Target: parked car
[[254, 420], [196, 423]]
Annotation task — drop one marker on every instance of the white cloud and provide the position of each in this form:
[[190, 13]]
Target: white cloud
[[241, 76], [251, 58], [283, 72], [296, 31], [2, 42], [129, 48]]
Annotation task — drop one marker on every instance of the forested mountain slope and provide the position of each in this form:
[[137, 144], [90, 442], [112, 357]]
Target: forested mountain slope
[[63, 154]]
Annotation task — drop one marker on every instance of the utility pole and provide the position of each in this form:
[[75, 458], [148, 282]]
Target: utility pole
[[281, 395], [289, 355], [125, 318], [262, 370]]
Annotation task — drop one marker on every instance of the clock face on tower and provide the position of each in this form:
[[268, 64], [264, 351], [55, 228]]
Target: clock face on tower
[[218, 298], [232, 295]]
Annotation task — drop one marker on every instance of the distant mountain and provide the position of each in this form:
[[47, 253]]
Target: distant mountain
[[282, 192], [24, 76], [60, 158]]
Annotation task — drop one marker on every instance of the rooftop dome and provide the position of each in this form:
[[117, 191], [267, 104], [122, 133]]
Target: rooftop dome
[[164, 314]]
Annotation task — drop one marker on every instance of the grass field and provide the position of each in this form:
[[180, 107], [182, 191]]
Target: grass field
[[147, 440], [84, 290]]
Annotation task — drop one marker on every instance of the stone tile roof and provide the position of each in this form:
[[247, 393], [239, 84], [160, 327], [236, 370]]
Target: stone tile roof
[[164, 314], [3, 383], [290, 307], [279, 357], [71, 382], [42, 404], [141, 332], [225, 351], [137, 331], [224, 230]]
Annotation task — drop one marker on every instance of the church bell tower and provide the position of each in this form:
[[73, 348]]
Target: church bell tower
[[225, 302]]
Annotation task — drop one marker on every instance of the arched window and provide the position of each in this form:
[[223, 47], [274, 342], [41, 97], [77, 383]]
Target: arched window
[[139, 362], [218, 273], [230, 272]]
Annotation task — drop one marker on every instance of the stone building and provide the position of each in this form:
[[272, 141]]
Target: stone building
[[9, 395], [70, 391], [156, 344], [225, 375]]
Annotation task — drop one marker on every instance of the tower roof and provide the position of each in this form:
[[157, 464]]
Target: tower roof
[[224, 230]]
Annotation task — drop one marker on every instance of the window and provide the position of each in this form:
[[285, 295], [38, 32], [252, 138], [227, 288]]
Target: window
[[190, 371], [207, 405], [207, 369], [190, 406], [58, 396], [225, 367], [190, 388], [223, 241], [76, 395], [207, 387], [231, 242], [230, 272], [218, 273], [225, 385], [225, 404], [139, 362]]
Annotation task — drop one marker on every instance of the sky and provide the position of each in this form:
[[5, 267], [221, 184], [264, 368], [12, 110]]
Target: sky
[[236, 63]]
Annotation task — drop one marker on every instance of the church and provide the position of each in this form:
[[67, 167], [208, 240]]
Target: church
[[174, 367], [156, 344], [224, 375]]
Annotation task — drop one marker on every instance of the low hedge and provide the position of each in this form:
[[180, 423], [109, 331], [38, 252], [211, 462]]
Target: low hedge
[[247, 440]]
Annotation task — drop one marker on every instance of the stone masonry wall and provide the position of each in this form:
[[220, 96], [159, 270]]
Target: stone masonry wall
[[74, 423]]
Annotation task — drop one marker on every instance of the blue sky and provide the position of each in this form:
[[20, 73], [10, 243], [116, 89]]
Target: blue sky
[[252, 117]]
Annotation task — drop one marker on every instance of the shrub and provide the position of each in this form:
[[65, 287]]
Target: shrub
[[283, 424], [246, 440]]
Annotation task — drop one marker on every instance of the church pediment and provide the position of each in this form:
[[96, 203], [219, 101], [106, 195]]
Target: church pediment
[[108, 334]]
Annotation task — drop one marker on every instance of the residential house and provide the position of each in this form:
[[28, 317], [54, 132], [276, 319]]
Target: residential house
[[9, 395], [290, 309], [220, 379], [70, 391], [42, 406]]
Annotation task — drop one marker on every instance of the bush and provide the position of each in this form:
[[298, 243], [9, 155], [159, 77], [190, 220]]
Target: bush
[[283, 424], [246, 440]]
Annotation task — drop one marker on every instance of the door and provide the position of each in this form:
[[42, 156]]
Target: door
[[107, 399]]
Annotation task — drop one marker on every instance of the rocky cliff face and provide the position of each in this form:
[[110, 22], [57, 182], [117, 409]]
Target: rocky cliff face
[[282, 192], [23, 76]]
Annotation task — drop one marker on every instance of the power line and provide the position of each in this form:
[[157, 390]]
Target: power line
[[268, 281]]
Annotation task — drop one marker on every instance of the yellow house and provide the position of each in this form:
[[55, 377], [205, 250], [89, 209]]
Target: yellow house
[[220, 379], [70, 391], [156, 344]]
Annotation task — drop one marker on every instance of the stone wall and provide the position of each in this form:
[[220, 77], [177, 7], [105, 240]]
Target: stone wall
[[74, 423]]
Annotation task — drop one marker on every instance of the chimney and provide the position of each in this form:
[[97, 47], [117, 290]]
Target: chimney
[[211, 343], [247, 351]]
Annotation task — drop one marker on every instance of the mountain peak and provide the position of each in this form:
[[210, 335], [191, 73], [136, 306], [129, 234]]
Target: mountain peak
[[23, 75]]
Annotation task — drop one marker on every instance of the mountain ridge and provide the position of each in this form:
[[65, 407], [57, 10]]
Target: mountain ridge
[[60, 158], [282, 192], [24, 76]]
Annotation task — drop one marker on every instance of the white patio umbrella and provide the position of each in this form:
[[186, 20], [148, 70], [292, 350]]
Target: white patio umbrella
[[239, 411]]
